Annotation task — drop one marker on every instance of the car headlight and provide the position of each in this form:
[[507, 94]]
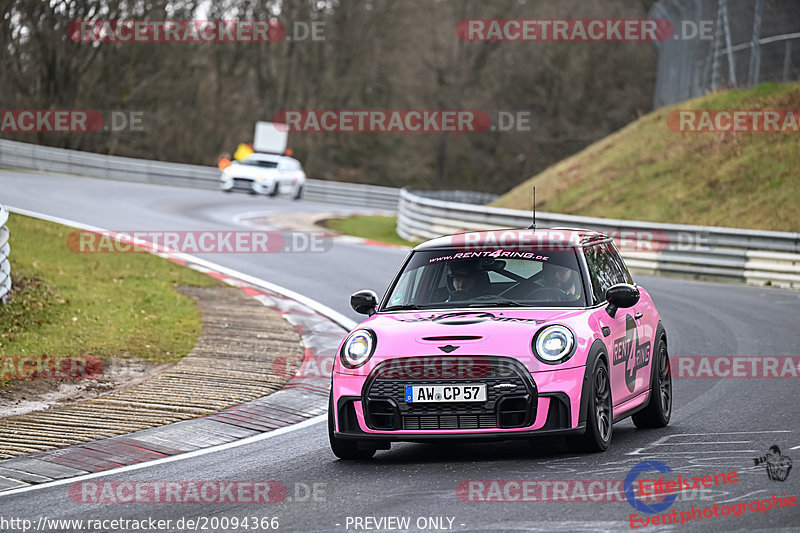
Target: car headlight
[[358, 348], [554, 344]]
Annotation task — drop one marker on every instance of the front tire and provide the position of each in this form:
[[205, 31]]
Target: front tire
[[659, 407], [344, 449], [599, 414]]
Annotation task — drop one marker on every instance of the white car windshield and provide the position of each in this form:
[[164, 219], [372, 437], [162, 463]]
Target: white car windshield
[[259, 163], [496, 278]]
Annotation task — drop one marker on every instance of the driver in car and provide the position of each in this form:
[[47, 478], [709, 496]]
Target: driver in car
[[466, 280]]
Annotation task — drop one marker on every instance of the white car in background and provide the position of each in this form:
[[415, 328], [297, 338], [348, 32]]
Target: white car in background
[[269, 174]]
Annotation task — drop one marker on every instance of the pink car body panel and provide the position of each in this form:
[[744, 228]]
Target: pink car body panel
[[509, 334]]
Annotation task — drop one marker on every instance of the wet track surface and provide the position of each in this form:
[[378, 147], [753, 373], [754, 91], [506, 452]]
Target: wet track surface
[[718, 425]]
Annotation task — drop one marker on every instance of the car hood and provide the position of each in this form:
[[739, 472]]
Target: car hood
[[250, 172]]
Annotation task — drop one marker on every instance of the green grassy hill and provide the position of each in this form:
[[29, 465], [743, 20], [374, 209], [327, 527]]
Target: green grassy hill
[[646, 171]]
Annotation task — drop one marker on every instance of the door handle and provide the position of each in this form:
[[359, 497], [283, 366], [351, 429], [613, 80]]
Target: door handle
[[637, 316]]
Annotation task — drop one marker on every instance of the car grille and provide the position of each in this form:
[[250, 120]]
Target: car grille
[[450, 421], [384, 396], [242, 184]]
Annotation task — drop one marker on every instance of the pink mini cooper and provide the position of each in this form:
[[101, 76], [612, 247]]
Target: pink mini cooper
[[497, 335]]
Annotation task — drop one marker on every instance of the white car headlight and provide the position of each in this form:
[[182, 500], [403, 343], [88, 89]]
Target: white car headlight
[[554, 344], [358, 348]]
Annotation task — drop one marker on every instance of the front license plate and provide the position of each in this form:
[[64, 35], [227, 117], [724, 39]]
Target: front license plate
[[446, 393]]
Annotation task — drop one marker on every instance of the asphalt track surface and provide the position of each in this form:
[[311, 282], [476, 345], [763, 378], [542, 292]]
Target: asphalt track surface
[[718, 425]]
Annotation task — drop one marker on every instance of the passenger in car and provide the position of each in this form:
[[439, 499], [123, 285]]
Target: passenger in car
[[563, 278]]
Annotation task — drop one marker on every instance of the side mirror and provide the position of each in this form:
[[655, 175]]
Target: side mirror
[[621, 295], [364, 302]]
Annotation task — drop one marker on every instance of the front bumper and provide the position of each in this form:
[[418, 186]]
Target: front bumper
[[542, 403], [247, 185]]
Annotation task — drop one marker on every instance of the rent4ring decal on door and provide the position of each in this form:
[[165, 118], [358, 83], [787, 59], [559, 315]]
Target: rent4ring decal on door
[[628, 350]]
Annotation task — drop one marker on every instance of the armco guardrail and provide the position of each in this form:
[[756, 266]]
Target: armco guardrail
[[352, 194], [34, 157], [748, 256], [5, 251]]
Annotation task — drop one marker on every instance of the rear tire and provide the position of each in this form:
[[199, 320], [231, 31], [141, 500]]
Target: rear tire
[[299, 193], [599, 414], [345, 449], [659, 406]]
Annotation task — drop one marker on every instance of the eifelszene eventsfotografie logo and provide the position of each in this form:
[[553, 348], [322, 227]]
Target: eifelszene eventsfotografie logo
[[654, 507]]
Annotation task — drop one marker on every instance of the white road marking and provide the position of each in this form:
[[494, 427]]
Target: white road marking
[[187, 455], [651, 448], [742, 496], [698, 442], [651, 451], [731, 433]]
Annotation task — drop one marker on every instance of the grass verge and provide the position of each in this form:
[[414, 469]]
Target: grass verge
[[376, 228], [646, 171], [71, 304]]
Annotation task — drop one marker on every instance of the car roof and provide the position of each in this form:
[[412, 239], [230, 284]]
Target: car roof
[[498, 238]]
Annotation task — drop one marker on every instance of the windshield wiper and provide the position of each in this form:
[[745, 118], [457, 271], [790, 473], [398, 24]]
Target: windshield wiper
[[497, 303], [406, 307]]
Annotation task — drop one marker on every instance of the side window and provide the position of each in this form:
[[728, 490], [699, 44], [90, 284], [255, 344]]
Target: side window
[[414, 286], [597, 274], [402, 291], [605, 269], [619, 265], [407, 290]]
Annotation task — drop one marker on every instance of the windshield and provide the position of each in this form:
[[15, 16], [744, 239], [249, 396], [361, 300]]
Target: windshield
[[521, 278], [259, 163]]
